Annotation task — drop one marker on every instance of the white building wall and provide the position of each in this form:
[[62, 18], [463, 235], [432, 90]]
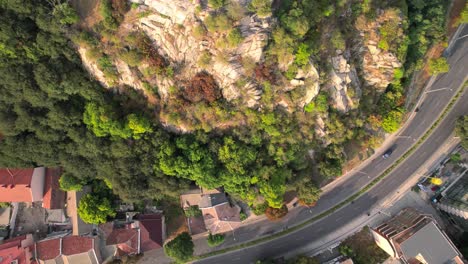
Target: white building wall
[[383, 243], [37, 184]]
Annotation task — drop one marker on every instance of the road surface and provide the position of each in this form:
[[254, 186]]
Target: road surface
[[434, 101]]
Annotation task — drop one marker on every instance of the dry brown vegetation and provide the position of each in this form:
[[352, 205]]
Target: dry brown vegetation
[[202, 87]]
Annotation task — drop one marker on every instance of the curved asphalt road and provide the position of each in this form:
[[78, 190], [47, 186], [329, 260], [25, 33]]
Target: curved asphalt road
[[435, 100]]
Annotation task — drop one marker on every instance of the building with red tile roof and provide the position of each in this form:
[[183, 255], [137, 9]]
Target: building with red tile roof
[[70, 249], [152, 231], [16, 250], [54, 197], [22, 185], [121, 241]]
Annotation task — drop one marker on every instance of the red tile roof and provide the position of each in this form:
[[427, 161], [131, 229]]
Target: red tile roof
[[11, 250], [15, 185], [72, 245], [54, 198], [151, 231], [48, 249]]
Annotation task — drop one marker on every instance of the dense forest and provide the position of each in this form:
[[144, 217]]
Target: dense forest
[[53, 113]]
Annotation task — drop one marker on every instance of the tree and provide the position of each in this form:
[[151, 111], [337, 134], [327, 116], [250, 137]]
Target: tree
[[261, 7], [461, 130], [65, 14], [138, 125], [392, 121], [215, 240], [234, 38], [437, 66], [95, 209], [68, 182], [302, 55], [193, 211], [180, 248], [308, 193], [216, 4]]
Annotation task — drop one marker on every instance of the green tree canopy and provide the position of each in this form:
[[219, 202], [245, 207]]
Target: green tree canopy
[[95, 209], [68, 182], [180, 248], [438, 66]]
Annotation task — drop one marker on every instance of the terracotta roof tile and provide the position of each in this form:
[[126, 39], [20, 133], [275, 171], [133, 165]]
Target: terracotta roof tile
[[75, 244], [15, 185], [48, 249]]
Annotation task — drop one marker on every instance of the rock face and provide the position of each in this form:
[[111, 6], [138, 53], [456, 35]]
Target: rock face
[[342, 77], [309, 79], [171, 28], [378, 65]]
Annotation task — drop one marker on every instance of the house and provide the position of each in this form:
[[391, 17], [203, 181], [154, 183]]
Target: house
[[217, 214], [32, 185], [70, 249], [152, 231], [415, 238], [134, 237], [120, 240], [22, 185], [16, 250]]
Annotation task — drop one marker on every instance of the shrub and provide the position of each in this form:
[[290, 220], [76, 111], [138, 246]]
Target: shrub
[[193, 211], [455, 158], [249, 65], [291, 72], [180, 248], [69, 182], [337, 40], [93, 54], [260, 209], [437, 66], [131, 57], [202, 87], [215, 240], [235, 11], [242, 216], [383, 44], [4, 204], [217, 23], [276, 213], [234, 38], [261, 7], [204, 59], [310, 107], [302, 55], [199, 32], [105, 10], [216, 4]]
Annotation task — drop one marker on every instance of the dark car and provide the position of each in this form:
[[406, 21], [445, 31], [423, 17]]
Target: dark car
[[387, 153]]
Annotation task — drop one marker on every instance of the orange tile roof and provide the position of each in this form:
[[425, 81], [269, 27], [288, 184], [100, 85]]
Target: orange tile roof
[[15, 185]]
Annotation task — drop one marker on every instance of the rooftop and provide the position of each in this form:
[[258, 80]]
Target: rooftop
[[15, 185], [151, 230], [54, 197], [15, 249], [210, 200], [430, 244], [64, 249]]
